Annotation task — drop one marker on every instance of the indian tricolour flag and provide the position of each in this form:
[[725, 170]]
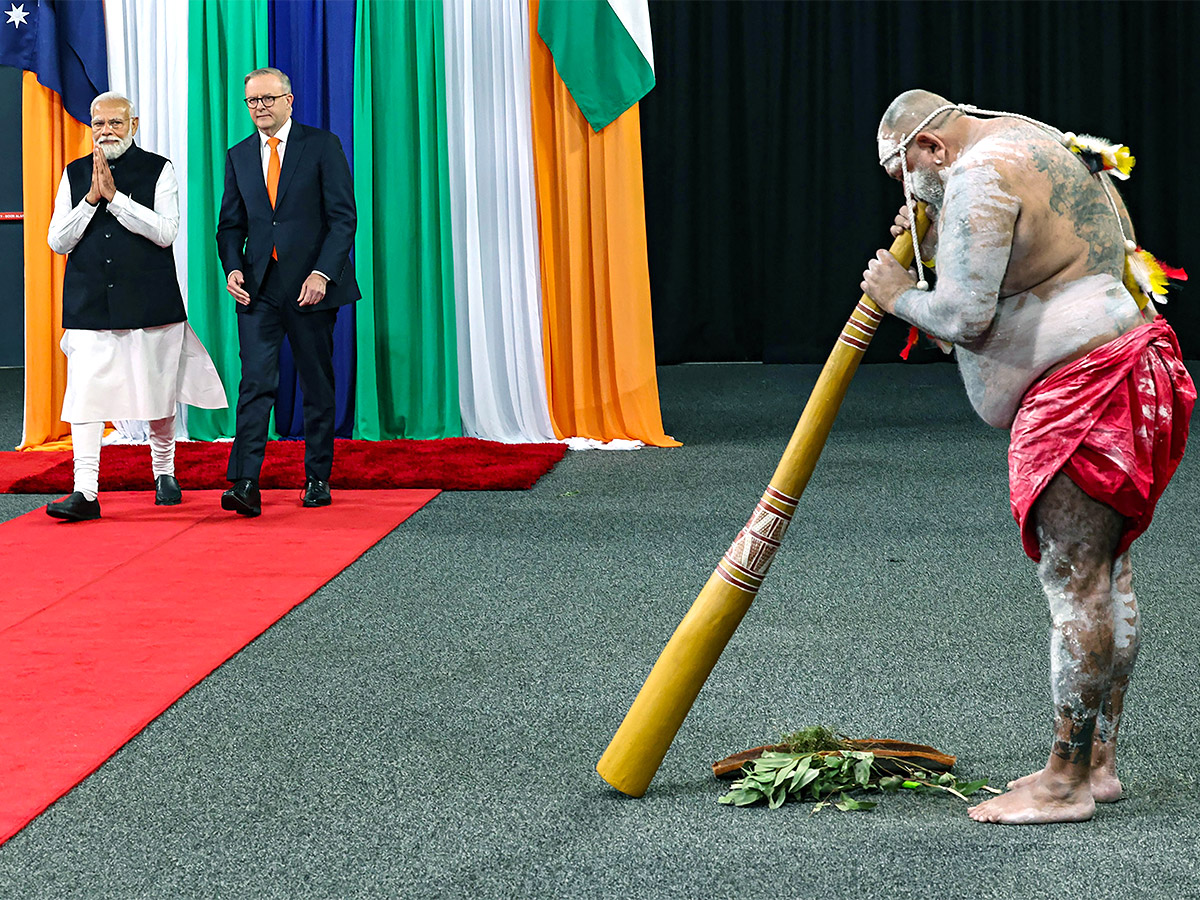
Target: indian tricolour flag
[[602, 51]]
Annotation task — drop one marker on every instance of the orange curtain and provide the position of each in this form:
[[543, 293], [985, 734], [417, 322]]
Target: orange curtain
[[50, 139], [596, 322]]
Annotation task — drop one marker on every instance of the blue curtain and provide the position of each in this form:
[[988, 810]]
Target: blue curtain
[[313, 42]]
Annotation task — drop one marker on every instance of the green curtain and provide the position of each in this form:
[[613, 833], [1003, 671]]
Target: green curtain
[[407, 383], [227, 39]]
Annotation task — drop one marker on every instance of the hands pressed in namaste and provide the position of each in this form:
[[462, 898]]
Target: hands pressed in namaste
[[102, 180]]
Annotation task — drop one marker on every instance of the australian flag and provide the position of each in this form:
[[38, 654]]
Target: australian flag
[[63, 43]]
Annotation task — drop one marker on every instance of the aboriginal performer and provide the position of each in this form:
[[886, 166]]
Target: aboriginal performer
[[1045, 295], [130, 351]]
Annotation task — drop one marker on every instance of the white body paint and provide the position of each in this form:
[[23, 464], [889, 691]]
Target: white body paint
[[1066, 675], [1012, 313], [1125, 612], [1030, 335]]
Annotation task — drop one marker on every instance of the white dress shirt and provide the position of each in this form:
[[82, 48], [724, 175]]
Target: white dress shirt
[[159, 225]]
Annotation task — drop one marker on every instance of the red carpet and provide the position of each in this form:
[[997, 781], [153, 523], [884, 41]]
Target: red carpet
[[15, 466], [451, 464], [105, 624]]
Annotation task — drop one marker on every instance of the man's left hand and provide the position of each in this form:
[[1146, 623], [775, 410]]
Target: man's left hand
[[103, 175], [885, 279], [312, 291]]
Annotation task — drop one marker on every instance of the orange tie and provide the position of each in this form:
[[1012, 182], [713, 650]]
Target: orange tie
[[273, 178]]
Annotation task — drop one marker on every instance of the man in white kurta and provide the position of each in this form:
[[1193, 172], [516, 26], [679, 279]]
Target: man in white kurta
[[130, 351]]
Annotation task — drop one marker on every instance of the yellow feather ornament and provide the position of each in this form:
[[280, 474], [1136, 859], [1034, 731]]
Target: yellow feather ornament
[[1113, 158], [1144, 276]]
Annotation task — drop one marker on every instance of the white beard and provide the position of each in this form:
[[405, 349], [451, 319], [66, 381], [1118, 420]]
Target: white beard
[[113, 149], [929, 185]]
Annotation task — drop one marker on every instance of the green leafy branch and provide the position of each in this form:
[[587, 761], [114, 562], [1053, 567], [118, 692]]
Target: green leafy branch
[[830, 777]]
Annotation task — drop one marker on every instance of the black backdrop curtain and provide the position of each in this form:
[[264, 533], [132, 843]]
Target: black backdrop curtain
[[764, 197]]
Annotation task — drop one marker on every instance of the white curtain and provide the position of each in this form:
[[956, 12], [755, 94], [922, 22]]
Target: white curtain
[[497, 282], [147, 62]]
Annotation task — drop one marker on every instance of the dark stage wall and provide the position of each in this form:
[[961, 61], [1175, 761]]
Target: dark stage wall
[[12, 254], [764, 197]]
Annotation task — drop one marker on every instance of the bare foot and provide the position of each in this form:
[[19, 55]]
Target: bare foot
[[1024, 780], [1037, 799], [1106, 787]]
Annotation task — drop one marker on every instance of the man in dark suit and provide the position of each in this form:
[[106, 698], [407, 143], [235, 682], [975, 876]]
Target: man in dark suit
[[284, 236]]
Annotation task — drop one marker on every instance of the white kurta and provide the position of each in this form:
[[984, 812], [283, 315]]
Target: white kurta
[[137, 373]]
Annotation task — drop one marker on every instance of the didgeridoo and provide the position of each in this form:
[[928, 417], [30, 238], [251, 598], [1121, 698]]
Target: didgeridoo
[[637, 749]]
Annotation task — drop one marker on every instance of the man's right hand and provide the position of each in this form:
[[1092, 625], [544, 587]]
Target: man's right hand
[[93, 194], [929, 242], [233, 284], [901, 224]]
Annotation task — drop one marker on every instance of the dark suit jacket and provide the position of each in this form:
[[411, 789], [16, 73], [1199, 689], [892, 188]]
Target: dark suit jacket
[[312, 224]]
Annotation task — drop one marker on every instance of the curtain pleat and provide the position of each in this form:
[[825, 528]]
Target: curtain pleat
[[226, 39], [50, 138], [502, 387], [407, 379], [147, 62], [313, 42], [597, 324]]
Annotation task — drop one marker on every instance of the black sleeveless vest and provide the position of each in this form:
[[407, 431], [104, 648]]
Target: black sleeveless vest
[[116, 279]]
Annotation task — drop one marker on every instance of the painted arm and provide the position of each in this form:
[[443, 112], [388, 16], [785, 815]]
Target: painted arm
[[974, 243]]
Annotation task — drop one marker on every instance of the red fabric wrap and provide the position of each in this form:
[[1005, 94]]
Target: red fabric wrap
[[1115, 421]]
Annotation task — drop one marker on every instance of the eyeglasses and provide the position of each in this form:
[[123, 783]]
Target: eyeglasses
[[114, 124], [266, 102]]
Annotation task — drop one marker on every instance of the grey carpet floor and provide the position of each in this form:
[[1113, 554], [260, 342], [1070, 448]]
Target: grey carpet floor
[[427, 724]]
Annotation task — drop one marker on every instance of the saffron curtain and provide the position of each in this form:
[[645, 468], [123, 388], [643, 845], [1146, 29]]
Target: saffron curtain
[[62, 52], [599, 345], [50, 138]]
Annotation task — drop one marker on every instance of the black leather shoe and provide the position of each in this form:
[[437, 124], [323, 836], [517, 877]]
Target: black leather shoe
[[166, 491], [75, 508], [243, 498], [316, 493]]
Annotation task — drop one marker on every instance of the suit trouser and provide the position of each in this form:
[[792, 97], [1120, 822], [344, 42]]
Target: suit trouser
[[261, 330]]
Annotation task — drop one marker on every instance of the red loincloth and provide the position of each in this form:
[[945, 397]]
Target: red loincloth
[[1115, 421]]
